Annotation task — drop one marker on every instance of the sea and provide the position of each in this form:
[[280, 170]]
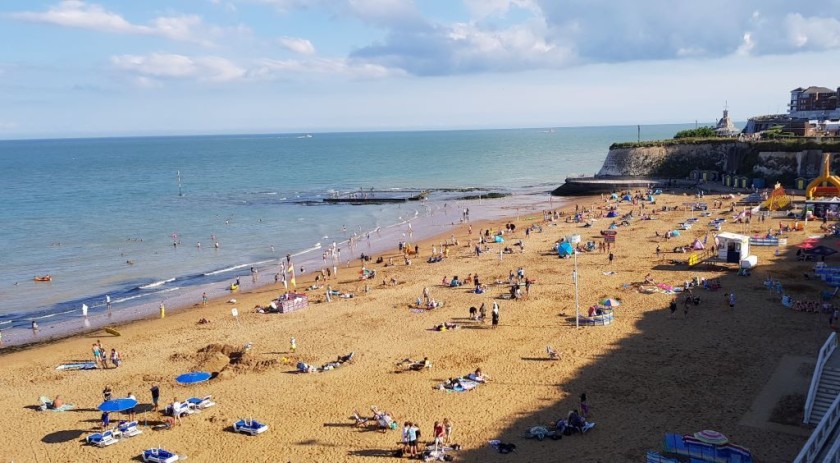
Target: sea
[[150, 220]]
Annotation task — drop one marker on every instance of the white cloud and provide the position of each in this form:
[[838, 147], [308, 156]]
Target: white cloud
[[275, 69], [480, 9], [812, 33], [8, 125], [297, 45], [78, 14], [173, 66]]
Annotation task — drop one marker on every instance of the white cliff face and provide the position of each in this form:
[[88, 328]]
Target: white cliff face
[[678, 160], [675, 160]]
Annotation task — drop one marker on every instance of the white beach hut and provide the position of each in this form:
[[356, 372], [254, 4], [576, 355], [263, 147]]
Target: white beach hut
[[732, 247]]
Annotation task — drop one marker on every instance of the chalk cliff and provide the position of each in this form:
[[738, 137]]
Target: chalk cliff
[[676, 160]]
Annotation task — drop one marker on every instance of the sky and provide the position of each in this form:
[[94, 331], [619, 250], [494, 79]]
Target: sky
[[112, 68]]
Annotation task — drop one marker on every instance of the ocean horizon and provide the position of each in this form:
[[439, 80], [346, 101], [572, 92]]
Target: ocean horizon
[[138, 219]]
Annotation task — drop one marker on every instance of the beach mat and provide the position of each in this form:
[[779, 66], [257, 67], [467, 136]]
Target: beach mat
[[76, 366]]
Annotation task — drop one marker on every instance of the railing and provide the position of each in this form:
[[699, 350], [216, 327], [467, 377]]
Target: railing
[[833, 454], [825, 353], [821, 433]]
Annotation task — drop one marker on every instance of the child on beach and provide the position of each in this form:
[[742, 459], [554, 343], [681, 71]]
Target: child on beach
[[293, 345], [447, 427], [584, 405]]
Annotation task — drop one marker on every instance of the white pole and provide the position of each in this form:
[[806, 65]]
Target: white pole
[[577, 305]]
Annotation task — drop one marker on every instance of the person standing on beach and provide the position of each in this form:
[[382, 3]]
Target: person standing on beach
[[611, 257], [155, 390], [162, 310], [204, 299], [293, 345], [447, 428], [95, 350], [732, 301], [495, 315]]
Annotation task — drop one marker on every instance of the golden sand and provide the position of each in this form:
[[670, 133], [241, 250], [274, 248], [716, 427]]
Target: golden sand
[[645, 375]]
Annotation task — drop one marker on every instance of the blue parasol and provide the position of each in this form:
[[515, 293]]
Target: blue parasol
[[193, 377], [610, 302], [117, 405]]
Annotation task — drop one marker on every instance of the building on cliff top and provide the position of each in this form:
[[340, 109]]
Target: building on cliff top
[[725, 127], [812, 112]]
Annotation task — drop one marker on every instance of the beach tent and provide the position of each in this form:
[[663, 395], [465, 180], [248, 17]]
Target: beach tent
[[574, 239], [613, 196], [499, 239], [651, 198], [627, 198], [698, 244], [565, 249], [612, 214], [675, 233]]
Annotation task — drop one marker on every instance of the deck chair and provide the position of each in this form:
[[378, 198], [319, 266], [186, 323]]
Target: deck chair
[[101, 439], [159, 455], [359, 419], [201, 403], [552, 354], [250, 426], [128, 429]]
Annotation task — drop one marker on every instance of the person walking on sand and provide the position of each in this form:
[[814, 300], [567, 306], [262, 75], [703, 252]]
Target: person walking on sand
[[686, 305], [732, 301], [447, 428], [673, 307], [495, 315], [482, 313], [611, 257], [162, 310], [155, 390]]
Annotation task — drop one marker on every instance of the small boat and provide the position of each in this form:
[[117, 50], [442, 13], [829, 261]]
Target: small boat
[[43, 278]]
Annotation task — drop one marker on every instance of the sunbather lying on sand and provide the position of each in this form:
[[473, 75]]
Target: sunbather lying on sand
[[446, 326]]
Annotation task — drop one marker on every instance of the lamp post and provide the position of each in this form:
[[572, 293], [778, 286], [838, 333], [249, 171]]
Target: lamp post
[[575, 278]]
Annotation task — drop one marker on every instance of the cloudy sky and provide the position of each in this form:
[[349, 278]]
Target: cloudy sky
[[99, 68]]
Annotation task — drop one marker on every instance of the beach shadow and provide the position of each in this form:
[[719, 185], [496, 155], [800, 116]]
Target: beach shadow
[[143, 408], [83, 410], [475, 327], [60, 437], [341, 425], [380, 453], [36, 408], [539, 359]]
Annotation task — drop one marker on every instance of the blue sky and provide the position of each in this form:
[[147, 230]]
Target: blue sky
[[101, 68]]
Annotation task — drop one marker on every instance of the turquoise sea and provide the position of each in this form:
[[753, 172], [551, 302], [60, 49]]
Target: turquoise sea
[[101, 215]]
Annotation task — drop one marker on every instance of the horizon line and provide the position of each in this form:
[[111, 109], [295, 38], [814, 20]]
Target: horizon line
[[223, 133]]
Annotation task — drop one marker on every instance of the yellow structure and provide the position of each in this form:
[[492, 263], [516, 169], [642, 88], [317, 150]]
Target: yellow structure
[[826, 185], [778, 199]]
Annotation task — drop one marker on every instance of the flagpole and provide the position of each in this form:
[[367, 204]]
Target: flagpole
[[577, 304]]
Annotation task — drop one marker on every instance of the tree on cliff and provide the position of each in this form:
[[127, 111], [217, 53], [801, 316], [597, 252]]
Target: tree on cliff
[[699, 132]]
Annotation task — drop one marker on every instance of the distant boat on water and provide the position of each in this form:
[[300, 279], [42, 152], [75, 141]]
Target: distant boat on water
[[308, 135]]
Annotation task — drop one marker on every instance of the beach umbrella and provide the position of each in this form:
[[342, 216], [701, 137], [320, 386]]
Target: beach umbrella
[[610, 302], [711, 437], [821, 251], [806, 246], [117, 405], [193, 377]]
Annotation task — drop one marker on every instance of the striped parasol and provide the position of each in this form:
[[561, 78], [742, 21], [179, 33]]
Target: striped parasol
[[711, 437]]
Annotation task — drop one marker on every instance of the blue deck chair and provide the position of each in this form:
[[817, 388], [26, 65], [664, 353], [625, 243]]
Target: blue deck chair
[[250, 426]]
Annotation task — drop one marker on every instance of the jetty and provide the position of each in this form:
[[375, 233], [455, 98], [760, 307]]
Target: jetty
[[372, 196]]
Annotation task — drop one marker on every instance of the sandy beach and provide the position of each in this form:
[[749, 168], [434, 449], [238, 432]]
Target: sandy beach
[[645, 375]]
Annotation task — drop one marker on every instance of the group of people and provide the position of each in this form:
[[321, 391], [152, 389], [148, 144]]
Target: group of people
[[100, 356], [441, 434], [480, 314]]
